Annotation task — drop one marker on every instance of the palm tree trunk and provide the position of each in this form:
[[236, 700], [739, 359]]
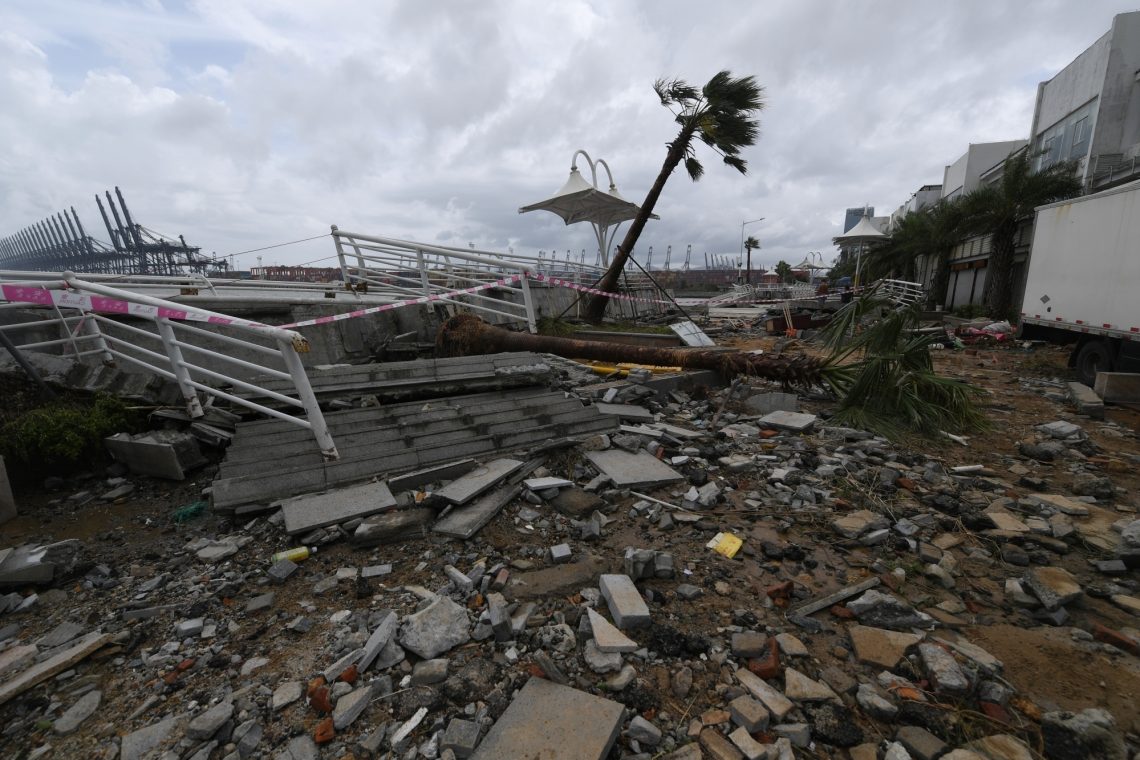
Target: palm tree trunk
[[937, 295], [596, 307], [466, 335], [999, 278]]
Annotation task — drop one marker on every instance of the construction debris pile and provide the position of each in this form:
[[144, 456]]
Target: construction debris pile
[[579, 569]]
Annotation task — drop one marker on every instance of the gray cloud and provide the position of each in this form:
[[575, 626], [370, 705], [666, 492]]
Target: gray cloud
[[243, 123]]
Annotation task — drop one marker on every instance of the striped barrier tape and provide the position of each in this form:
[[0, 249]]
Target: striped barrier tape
[[101, 304], [594, 291], [401, 304]]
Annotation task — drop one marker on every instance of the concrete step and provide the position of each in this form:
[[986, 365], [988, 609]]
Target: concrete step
[[277, 455], [346, 424], [277, 483]]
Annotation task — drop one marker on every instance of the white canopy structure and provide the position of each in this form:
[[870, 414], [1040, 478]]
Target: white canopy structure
[[580, 201], [864, 233]]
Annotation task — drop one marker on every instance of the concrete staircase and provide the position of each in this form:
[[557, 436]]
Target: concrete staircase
[[270, 459]]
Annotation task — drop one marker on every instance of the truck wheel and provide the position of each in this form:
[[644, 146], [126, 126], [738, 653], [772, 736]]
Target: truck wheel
[[1092, 357]]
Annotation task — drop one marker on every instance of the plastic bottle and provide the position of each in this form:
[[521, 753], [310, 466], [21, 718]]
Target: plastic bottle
[[294, 555]]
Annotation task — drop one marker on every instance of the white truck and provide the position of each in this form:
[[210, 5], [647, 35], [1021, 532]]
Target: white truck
[[1082, 286]]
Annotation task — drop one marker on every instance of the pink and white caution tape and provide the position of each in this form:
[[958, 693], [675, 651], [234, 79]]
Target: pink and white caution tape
[[586, 289], [401, 304], [72, 299], [102, 304]]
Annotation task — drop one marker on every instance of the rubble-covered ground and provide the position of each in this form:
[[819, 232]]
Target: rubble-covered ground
[[984, 602]]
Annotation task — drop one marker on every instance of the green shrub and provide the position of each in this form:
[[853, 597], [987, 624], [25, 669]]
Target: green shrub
[[62, 433]]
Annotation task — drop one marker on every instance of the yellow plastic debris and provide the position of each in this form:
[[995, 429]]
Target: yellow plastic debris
[[726, 544]]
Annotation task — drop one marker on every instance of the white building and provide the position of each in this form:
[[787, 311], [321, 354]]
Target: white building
[[1090, 111], [963, 176]]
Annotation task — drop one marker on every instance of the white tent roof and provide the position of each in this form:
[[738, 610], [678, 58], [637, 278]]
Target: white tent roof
[[863, 232]]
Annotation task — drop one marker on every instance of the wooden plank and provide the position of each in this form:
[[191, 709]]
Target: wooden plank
[[53, 666]]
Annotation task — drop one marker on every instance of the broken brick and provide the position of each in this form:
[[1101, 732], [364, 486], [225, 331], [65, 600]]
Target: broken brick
[[324, 732]]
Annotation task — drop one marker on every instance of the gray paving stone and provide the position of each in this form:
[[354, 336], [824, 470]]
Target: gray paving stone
[[467, 487], [794, 421], [627, 607], [138, 744], [78, 712], [461, 737], [377, 641], [628, 470], [349, 707], [555, 723], [311, 511], [207, 724]]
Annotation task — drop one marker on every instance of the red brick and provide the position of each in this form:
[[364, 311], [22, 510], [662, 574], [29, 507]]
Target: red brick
[[1115, 638], [994, 711], [768, 666], [319, 699], [349, 675], [842, 612], [324, 732]]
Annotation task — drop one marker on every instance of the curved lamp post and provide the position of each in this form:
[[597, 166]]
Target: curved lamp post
[[582, 201]]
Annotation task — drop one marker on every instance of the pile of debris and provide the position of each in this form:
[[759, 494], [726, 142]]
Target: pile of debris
[[697, 574]]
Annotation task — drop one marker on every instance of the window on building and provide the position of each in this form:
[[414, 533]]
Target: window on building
[[1082, 130]]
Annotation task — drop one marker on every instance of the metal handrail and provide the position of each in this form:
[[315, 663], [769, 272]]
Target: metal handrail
[[174, 335]]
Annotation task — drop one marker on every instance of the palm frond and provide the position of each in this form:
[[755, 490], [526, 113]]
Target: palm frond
[[694, 167]]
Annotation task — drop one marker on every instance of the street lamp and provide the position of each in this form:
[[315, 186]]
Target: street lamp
[[748, 271]]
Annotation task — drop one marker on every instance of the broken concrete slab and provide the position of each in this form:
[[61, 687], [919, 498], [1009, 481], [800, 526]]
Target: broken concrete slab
[[390, 527], [608, 638], [626, 605], [139, 744], [166, 454], [628, 470], [772, 699], [319, 510], [475, 482], [796, 422], [440, 472], [1118, 387], [557, 580], [625, 411], [766, 403], [435, 629], [553, 722], [26, 564], [1086, 400], [880, 647], [465, 521]]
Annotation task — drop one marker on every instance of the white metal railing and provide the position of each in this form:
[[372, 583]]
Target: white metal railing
[[900, 292], [79, 310], [763, 292], [408, 269]]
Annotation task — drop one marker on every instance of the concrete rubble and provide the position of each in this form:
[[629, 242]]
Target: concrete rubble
[[558, 598]]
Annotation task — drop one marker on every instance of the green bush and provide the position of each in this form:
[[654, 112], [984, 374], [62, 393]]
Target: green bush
[[970, 310], [62, 433]]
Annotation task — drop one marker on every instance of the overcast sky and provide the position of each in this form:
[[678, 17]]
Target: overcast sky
[[246, 123]]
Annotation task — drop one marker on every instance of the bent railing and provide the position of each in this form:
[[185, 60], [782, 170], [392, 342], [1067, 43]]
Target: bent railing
[[95, 320]]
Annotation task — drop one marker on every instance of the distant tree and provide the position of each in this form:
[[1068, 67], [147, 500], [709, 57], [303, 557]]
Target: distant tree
[[999, 210], [784, 270], [749, 244], [722, 114]]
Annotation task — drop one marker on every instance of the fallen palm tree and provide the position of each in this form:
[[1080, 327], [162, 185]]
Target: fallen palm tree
[[878, 366], [465, 334]]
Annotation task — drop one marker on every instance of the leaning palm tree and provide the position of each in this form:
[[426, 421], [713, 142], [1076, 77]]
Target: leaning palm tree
[[1001, 208], [722, 115], [749, 245]]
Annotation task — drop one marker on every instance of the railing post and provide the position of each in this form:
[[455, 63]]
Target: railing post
[[181, 374], [88, 324], [340, 255], [528, 303], [420, 262], [308, 399]]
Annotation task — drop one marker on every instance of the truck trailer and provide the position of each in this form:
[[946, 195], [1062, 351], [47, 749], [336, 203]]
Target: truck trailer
[[1082, 282]]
